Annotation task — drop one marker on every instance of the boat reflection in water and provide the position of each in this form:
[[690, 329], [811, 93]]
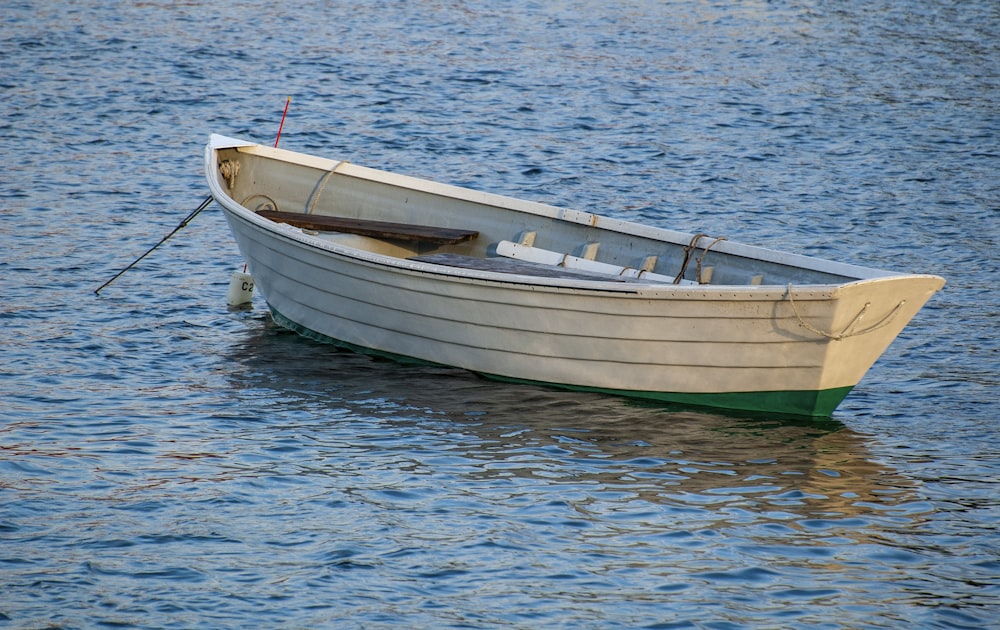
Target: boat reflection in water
[[531, 439]]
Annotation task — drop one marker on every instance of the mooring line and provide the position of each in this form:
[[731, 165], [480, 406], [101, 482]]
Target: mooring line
[[182, 224]]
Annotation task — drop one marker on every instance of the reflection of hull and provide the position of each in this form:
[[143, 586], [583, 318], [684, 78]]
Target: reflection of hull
[[663, 456], [418, 270]]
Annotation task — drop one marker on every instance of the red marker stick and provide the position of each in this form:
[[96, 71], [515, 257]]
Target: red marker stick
[[285, 113]]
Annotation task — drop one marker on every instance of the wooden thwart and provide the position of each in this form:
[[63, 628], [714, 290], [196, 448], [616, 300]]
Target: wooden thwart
[[375, 229]]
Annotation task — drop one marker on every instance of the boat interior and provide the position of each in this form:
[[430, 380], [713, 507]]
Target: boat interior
[[404, 217]]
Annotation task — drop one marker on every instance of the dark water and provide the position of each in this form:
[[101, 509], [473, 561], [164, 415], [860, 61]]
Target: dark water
[[166, 462]]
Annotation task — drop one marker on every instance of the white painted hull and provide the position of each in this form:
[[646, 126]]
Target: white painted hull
[[769, 348]]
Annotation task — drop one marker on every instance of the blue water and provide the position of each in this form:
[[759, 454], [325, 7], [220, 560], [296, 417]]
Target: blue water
[[166, 462]]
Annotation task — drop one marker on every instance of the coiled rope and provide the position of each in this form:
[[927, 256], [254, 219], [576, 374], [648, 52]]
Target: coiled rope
[[229, 170], [270, 204]]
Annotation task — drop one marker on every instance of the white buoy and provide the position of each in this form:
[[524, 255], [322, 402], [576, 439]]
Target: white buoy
[[240, 289]]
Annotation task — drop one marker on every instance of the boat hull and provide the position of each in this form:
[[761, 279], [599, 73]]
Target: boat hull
[[797, 403], [778, 349]]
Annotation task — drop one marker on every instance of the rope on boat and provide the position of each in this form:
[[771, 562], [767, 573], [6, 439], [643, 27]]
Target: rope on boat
[[322, 185], [229, 170], [849, 330], [687, 256], [702, 257], [688, 249], [274, 204]]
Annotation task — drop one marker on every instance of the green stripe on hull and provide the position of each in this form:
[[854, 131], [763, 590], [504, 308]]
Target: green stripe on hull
[[811, 403], [815, 404]]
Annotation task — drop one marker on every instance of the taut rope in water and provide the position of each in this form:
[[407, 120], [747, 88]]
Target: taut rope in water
[[182, 224], [229, 171]]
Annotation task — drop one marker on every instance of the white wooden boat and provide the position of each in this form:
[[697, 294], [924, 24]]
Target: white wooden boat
[[521, 291]]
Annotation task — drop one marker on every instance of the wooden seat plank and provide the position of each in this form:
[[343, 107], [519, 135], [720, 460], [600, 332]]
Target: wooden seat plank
[[375, 229]]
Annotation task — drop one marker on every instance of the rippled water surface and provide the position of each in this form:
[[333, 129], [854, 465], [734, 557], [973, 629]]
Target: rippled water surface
[[167, 462]]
